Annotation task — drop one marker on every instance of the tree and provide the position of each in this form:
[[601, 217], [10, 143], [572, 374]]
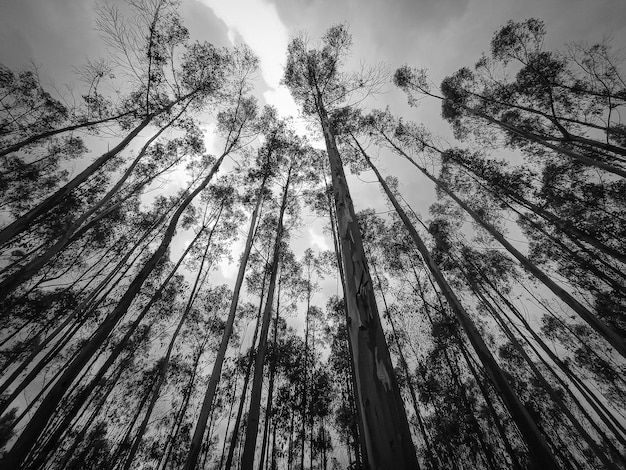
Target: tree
[[537, 445], [234, 122], [315, 81]]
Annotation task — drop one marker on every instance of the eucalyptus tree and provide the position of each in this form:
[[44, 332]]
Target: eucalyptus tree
[[339, 361], [87, 302], [583, 238], [149, 164], [234, 124], [222, 199], [570, 98], [268, 157], [385, 131], [312, 267], [348, 125], [295, 174], [538, 131], [317, 83], [375, 235], [288, 292], [161, 89], [564, 239], [256, 283]]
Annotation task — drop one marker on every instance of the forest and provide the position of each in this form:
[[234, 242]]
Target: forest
[[484, 331]]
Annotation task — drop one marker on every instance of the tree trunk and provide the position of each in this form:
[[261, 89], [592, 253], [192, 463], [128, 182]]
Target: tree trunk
[[270, 387], [235, 434], [26, 221], [304, 378], [555, 220], [44, 135], [542, 380], [33, 429], [207, 403], [31, 268], [86, 392], [409, 379], [611, 337], [34, 372], [496, 419], [537, 446], [385, 426], [357, 429], [163, 367], [247, 460], [180, 415]]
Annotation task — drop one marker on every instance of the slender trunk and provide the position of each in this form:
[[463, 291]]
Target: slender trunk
[[72, 233], [567, 136], [165, 362], [247, 460], [86, 391], [207, 403], [544, 383], [235, 434], [77, 312], [290, 444], [233, 386], [33, 429], [537, 446], [563, 225], [180, 415], [44, 135], [41, 457], [305, 374], [386, 430], [270, 388], [26, 221], [540, 140], [311, 415], [40, 346], [43, 362], [611, 337], [564, 369], [405, 368], [273, 455], [496, 419], [121, 448], [357, 423]]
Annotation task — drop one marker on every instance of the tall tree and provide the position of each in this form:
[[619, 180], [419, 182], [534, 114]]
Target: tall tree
[[536, 443], [315, 80]]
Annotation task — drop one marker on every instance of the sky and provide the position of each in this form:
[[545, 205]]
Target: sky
[[439, 35]]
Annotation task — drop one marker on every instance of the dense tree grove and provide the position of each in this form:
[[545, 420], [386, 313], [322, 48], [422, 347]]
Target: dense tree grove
[[488, 334]]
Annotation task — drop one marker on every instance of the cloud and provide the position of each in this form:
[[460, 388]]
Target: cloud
[[318, 240], [282, 100], [259, 25]]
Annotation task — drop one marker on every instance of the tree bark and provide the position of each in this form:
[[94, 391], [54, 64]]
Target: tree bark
[[386, 430]]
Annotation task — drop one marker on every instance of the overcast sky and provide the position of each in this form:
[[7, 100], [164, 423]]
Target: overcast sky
[[440, 35]]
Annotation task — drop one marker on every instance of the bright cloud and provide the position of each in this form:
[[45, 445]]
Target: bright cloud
[[259, 25], [318, 240], [282, 100], [229, 268]]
